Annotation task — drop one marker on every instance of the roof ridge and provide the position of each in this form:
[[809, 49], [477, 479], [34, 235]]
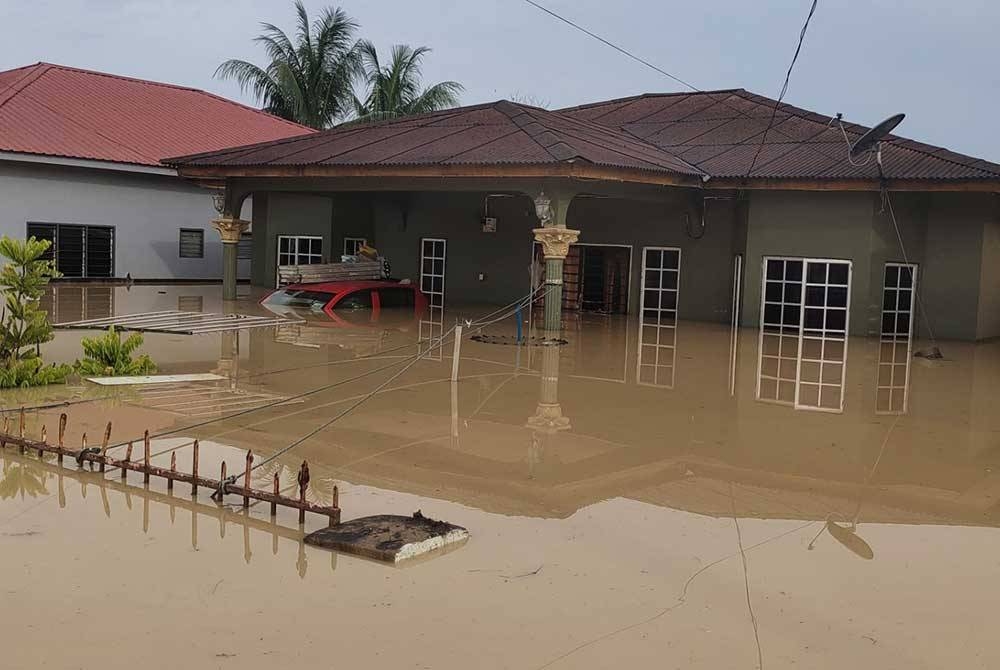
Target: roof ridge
[[342, 128], [630, 98], [499, 105], [33, 73]]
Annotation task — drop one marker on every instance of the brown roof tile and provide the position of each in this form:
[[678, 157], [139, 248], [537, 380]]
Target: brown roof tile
[[715, 133]]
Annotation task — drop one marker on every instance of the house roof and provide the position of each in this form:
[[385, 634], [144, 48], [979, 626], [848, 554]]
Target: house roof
[[721, 132], [54, 110], [684, 137], [497, 133]]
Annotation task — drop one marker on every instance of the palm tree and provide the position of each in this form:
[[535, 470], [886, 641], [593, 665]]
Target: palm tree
[[393, 90], [310, 81]]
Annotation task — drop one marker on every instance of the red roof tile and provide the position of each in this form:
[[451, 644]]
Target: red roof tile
[[61, 111]]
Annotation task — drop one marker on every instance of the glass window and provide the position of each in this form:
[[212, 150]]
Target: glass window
[[395, 297], [356, 300], [315, 300]]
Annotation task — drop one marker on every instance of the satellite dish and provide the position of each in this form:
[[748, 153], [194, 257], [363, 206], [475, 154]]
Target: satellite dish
[[875, 135]]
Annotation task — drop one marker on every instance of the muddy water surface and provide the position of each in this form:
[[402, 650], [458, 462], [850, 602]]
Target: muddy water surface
[[660, 516]]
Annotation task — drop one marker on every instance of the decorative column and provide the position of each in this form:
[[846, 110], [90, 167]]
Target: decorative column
[[230, 229], [548, 419], [555, 239]]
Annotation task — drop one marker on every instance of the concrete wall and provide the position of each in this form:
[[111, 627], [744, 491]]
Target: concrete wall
[[809, 224], [146, 211], [954, 238], [287, 214], [989, 282], [504, 257], [952, 270]]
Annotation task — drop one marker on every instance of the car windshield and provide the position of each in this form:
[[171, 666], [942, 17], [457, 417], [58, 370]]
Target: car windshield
[[294, 297]]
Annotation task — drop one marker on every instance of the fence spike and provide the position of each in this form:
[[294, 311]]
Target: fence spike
[[303, 485], [277, 491], [104, 445], [246, 479], [128, 458], [145, 457], [173, 468], [20, 430], [334, 504], [194, 469], [62, 435], [45, 440]]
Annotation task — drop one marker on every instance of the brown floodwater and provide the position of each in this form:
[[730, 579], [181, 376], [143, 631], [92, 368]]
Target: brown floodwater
[[623, 510]]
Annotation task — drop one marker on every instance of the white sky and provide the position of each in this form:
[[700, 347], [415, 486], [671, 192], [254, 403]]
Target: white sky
[[936, 61]]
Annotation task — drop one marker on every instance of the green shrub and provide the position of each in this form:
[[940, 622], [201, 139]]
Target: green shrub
[[111, 356], [24, 326]]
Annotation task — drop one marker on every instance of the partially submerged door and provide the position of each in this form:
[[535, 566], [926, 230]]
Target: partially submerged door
[[661, 271]]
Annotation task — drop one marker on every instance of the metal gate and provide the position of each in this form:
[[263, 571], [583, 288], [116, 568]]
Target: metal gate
[[804, 325], [657, 351]]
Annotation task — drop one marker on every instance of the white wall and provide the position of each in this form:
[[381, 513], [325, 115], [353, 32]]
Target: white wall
[[147, 212]]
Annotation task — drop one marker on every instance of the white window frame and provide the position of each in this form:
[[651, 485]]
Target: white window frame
[[297, 256], [825, 335], [893, 341], [358, 242], [660, 327]]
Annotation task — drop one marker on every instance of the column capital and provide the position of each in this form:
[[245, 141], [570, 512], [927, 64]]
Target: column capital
[[555, 240], [230, 228], [548, 418]]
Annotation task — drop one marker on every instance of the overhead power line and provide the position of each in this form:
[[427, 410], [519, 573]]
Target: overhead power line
[[677, 79], [784, 87]]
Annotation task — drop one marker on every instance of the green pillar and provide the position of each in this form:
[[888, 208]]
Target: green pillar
[[553, 295], [555, 241], [229, 253], [230, 230]]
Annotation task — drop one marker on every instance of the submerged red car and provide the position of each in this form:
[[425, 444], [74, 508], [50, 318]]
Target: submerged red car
[[338, 297]]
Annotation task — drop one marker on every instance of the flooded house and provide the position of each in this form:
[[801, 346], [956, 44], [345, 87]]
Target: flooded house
[[679, 202], [80, 165]]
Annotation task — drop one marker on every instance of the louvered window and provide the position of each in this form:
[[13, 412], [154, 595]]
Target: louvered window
[[192, 243]]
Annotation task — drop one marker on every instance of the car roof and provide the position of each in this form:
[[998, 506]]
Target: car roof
[[347, 286]]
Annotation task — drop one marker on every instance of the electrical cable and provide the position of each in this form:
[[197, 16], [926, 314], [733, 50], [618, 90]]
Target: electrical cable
[[320, 389], [440, 343], [660, 70], [784, 88], [887, 205]]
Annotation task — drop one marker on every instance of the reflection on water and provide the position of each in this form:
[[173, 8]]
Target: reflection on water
[[580, 481], [25, 475], [76, 302]]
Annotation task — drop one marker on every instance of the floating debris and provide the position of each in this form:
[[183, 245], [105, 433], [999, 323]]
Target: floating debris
[[387, 537]]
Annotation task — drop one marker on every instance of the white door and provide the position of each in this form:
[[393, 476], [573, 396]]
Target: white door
[[433, 257], [657, 355]]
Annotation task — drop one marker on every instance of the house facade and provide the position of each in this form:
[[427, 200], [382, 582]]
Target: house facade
[[80, 165], [662, 207]]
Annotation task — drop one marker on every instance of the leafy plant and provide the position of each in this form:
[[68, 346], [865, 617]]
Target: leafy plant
[[24, 326], [109, 355], [308, 81], [394, 88]]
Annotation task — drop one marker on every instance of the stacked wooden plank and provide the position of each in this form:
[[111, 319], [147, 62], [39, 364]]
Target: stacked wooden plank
[[182, 323], [322, 272]]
